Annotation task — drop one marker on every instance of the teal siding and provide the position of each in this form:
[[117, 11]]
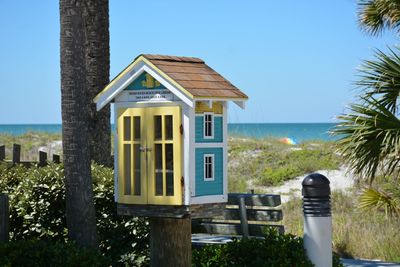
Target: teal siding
[[215, 187], [217, 130]]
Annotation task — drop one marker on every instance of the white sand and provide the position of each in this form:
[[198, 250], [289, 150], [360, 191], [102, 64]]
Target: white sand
[[340, 180]]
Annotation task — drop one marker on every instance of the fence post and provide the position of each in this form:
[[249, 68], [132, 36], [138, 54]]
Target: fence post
[[4, 214], [42, 159], [16, 154], [317, 219], [243, 216], [2, 152], [56, 158]]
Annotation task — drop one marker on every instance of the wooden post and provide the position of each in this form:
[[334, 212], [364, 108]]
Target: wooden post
[[16, 154], [170, 242], [4, 215], [42, 158], [56, 158], [243, 217], [2, 152]]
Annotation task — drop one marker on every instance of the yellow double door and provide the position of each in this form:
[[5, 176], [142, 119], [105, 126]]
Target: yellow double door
[[149, 156]]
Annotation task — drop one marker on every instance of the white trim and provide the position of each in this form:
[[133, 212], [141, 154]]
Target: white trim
[[169, 86], [147, 105], [241, 104], [202, 114], [238, 101], [192, 152], [209, 199], [125, 80], [212, 125], [186, 163], [116, 155], [209, 145], [225, 147], [212, 178]]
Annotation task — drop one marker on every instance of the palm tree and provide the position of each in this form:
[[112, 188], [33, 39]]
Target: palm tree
[[80, 212], [96, 17], [370, 131], [374, 16]]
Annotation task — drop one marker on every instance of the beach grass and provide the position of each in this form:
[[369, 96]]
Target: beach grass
[[356, 233], [254, 163]]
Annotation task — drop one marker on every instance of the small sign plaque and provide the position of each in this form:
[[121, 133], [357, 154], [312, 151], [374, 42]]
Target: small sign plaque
[[151, 95]]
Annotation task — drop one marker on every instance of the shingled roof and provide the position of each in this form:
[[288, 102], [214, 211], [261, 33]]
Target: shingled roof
[[190, 76], [195, 76]]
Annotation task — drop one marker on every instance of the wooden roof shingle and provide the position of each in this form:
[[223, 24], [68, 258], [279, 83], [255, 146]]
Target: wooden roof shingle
[[195, 76]]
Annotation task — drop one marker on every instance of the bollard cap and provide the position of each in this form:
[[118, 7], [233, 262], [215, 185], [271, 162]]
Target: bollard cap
[[316, 185]]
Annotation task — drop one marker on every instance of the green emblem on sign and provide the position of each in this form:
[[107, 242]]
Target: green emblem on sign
[[145, 81]]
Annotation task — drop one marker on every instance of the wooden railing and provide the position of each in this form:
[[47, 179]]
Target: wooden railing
[[16, 157]]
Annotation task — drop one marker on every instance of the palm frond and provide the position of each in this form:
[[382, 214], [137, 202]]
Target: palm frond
[[374, 16], [380, 78], [375, 199], [369, 139]]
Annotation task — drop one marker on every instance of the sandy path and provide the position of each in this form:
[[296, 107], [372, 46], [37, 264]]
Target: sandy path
[[340, 180]]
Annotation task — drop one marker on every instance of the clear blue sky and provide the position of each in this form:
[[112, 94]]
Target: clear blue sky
[[296, 60]]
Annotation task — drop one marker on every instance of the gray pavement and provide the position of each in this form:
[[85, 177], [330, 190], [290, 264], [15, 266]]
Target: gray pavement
[[368, 263]]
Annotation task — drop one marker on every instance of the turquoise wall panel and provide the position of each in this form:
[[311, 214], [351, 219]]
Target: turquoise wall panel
[[218, 135], [215, 187], [145, 81]]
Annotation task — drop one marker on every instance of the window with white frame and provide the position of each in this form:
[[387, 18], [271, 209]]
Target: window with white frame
[[208, 125], [209, 167]]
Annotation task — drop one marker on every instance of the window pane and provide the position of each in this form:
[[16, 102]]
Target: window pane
[[136, 152], [168, 127], [127, 169], [127, 128], [169, 165], [158, 169], [157, 128], [136, 123], [170, 184]]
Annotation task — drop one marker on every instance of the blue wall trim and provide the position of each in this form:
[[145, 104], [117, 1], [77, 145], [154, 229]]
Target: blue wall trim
[[215, 187], [217, 130]]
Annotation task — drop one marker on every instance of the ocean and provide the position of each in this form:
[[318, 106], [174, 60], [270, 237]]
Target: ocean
[[299, 132]]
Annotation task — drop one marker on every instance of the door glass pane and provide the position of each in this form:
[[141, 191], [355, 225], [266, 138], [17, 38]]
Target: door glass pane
[[127, 169], [169, 169], [158, 169], [136, 123], [127, 128], [168, 127], [136, 153], [157, 128]]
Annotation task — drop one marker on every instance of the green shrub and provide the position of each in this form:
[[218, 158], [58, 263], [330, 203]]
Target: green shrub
[[37, 211], [48, 253], [275, 250]]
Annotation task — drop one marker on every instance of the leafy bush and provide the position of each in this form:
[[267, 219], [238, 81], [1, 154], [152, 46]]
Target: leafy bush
[[48, 253], [274, 250], [37, 210]]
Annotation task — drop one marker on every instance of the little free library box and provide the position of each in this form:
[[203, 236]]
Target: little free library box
[[171, 136]]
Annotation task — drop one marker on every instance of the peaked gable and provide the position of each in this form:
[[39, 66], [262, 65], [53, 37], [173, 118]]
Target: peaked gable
[[188, 78], [145, 81]]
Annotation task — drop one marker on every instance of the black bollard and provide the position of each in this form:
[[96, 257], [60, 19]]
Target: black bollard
[[317, 219]]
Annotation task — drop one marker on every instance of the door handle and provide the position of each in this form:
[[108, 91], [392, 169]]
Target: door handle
[[144, 149]]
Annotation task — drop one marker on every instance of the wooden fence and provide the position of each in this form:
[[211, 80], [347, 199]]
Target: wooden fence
[[16, 157]]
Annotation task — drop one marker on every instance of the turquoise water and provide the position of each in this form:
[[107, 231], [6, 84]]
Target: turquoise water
[[297, 131]]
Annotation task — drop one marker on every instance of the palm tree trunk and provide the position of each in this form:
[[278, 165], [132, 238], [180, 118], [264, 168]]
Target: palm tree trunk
[[80, 212], [98, 72], [170, 242]]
